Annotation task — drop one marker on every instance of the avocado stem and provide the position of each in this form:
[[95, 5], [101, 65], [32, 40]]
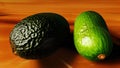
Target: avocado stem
[[101, 56]]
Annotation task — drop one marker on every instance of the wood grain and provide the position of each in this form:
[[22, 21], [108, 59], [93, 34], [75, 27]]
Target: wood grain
[[12, 11]]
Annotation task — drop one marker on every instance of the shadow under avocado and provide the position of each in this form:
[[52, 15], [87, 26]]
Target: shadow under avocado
[[115, 54], [62, 58]]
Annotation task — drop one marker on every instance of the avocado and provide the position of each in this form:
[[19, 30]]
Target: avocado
[[91, 36], [39, 35]]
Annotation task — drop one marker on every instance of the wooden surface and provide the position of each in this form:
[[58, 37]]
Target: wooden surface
[[12, 11]]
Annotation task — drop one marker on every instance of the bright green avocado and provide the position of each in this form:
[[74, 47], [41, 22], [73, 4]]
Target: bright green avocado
[[91, 36], [39, 35]]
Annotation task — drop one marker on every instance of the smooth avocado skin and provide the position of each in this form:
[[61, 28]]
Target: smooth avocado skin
[[39, 35], [91, 36]]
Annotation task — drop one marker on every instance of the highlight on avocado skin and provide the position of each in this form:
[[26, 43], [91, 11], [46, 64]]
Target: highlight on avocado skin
[[91, 36], [39, 35]]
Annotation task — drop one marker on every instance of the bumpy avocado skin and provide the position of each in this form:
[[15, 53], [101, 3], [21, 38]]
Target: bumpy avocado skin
[[39, 35], [91, 36]]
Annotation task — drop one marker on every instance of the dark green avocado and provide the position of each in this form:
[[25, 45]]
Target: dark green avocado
[[39, 35]]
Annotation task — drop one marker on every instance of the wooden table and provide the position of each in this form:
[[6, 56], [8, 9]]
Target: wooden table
[[12, 11]]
